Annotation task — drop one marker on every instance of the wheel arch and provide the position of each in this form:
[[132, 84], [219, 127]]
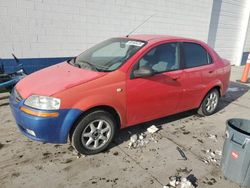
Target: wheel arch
[[106, 108], [217, 87]]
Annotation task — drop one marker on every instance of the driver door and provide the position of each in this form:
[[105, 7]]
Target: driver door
[[158, 95]]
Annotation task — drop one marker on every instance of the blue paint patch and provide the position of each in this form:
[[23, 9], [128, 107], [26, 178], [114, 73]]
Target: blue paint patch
[[46, 129], [30, 65]]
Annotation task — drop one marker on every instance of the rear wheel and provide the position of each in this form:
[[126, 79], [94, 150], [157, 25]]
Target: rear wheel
[[94, 132], [209, 103]]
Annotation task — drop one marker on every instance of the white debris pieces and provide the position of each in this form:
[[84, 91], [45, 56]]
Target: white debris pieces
[[212, 156], [141, 140], [137, 141], [185, 183], [218, 152], [213, 137], [182, 179], [178, 182], [133, 138], [152, 129]]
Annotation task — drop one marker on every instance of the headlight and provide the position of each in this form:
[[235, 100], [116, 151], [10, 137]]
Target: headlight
[[43, 102]]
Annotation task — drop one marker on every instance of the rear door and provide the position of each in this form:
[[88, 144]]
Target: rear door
[[196, 65]]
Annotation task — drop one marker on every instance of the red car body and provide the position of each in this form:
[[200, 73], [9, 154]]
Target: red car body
[[133, 100]]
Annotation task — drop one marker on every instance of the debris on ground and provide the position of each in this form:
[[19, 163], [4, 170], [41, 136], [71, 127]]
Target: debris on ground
[[209, 181], [182, 179], [200, 140], [133, 138], [15, 174], [57, 145], [67, 161], [46, 155], [1, 146], [115, 153], [141, 137], [141, 140], [183, 129], [183, 155], [213, 137], [155, 137], [218, 152], [79, 156], [212, 156], [138, 141], [184, 170], [179, 182], [152, 129], [74, 152], [186, 132], [71, 148]]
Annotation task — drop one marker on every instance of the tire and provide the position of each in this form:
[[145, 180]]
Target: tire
[[209, 103], [94, 132]]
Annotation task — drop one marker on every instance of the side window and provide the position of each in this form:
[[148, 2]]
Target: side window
[[195, 55], [162, 58]]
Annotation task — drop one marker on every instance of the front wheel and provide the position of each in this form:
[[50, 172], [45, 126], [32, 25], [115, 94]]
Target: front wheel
[[94, 132], [209, 103]]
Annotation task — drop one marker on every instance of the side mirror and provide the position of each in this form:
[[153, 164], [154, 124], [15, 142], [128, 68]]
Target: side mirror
[[143, 72]]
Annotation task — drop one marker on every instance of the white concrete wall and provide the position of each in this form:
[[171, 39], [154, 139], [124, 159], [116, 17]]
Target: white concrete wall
[[56, 28]]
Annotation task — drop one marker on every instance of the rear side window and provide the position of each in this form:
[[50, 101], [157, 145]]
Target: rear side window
[[195, 55]]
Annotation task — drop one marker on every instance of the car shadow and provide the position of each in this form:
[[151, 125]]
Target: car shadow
[[125, 134], [235, 91]]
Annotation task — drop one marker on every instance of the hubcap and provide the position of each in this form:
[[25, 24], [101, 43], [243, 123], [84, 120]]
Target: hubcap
[[96, 134], [212, 101]]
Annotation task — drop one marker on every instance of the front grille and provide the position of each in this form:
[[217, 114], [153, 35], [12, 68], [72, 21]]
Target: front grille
[[17, 96]]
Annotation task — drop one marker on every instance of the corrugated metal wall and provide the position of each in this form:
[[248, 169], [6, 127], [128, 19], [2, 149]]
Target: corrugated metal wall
[[247, 42], [228, 40]]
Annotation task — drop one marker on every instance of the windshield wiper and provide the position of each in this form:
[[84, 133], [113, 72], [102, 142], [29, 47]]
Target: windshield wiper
[[103, 68], [95, 67], [70, 61], [85, 62]]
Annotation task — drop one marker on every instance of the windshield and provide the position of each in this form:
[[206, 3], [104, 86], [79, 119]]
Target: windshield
[[108, 55]]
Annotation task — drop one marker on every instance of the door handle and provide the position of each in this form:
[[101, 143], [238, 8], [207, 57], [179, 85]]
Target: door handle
[[175, 78], [211, 71]]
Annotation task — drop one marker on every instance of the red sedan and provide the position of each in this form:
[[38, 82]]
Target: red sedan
[[116, 84]]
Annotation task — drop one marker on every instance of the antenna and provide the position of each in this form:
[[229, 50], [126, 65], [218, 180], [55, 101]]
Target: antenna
[[16, 59], [140, 25]]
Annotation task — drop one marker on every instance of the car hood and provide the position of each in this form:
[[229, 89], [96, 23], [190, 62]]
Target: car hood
[[54, 79]]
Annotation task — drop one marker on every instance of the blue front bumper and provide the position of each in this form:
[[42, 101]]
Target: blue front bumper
[[46, 129]]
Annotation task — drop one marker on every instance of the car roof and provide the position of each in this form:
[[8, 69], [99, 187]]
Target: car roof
[[148, 37], [156, 38]]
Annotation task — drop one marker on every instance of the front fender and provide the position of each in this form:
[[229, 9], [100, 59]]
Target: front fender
[[93, 101]]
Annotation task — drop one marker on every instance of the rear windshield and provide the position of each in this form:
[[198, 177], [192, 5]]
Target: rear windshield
[[108, 55]]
